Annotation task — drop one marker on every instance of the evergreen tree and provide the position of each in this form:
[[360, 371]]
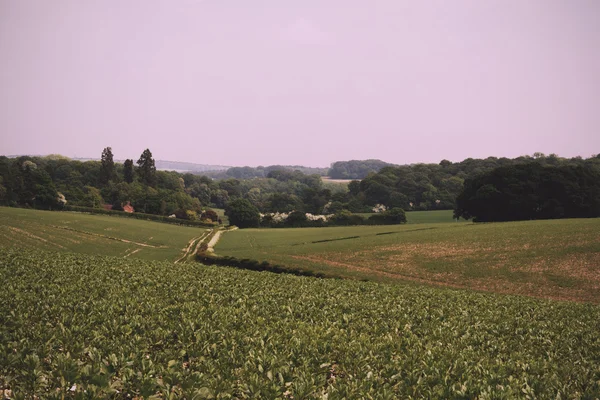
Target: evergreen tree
[[146, 168], [128, 170], [107, 169]]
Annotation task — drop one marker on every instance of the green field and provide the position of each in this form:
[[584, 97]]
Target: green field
[[557, 259], [79, 326], [93, 234]]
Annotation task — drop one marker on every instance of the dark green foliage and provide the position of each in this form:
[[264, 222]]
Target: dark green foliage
[[107, 166], [410, 187], [389, 217], [26, 179], [210, 214], [532, 191], [254, 265], [146, 168], [354, 187], [128, 171], [242, 214], [296, 219], [355, 169], [436, 186], [263, 172], [345, 217]]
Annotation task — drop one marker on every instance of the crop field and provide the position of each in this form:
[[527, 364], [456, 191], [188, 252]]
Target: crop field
[[33, 230], [557, 259], [80, 326]]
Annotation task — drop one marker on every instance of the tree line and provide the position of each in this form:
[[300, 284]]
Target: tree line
[[46, 182], [436, 186], [53, 181], [532, 191], [356, 169]]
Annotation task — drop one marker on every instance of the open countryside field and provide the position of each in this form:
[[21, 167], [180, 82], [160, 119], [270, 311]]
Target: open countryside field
[[557, 259], [93, 234], [80, 326]]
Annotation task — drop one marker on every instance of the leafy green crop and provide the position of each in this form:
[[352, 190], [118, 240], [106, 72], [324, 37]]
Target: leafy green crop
[[81, 326]]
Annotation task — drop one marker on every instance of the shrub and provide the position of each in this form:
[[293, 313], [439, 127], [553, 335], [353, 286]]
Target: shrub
[[390, 217], [296, 219], [210, 214], [242, 214]]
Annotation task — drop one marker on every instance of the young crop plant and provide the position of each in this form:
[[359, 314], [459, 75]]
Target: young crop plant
[[80, 326]]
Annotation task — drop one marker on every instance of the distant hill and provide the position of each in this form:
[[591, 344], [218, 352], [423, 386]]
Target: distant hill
[[263, 172], [356, 169], [179, 166], [188, 167]]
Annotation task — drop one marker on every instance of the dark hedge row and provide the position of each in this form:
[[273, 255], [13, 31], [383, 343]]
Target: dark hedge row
[[254, 265]]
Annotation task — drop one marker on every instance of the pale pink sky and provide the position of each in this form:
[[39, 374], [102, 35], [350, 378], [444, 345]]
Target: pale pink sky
[[300, 82]]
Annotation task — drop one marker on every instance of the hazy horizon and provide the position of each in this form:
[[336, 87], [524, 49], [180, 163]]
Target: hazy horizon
[[305, 83], [120, 160]]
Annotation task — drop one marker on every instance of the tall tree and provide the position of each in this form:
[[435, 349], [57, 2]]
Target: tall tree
[[107, 169], [128, 170], [242, 214], [146, 168]]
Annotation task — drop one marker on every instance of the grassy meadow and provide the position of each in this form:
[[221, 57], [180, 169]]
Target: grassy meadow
[[557, 259], [33, 230], [80, 326]]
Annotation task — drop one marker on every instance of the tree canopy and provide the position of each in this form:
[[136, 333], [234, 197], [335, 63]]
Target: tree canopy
[[128, 171], [242, 214], [147, 168], [107, 169], [531, 191]]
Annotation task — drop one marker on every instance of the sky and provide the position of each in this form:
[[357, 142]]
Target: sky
[[304, 82]]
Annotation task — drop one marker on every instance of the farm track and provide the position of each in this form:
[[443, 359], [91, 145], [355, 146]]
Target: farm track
[[189, 247], [215, 239], [31, 235], [194, 245], [131, 253]]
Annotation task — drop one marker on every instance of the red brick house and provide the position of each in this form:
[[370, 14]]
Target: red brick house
[[128, 208]]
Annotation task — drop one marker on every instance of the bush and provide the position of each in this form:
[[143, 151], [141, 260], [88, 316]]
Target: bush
[[242, 214], [389, 217], [345, 217], [191, 215], [296, 219], [210, 214]]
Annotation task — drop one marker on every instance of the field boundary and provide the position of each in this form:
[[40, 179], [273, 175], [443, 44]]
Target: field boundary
[[254, 265]]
